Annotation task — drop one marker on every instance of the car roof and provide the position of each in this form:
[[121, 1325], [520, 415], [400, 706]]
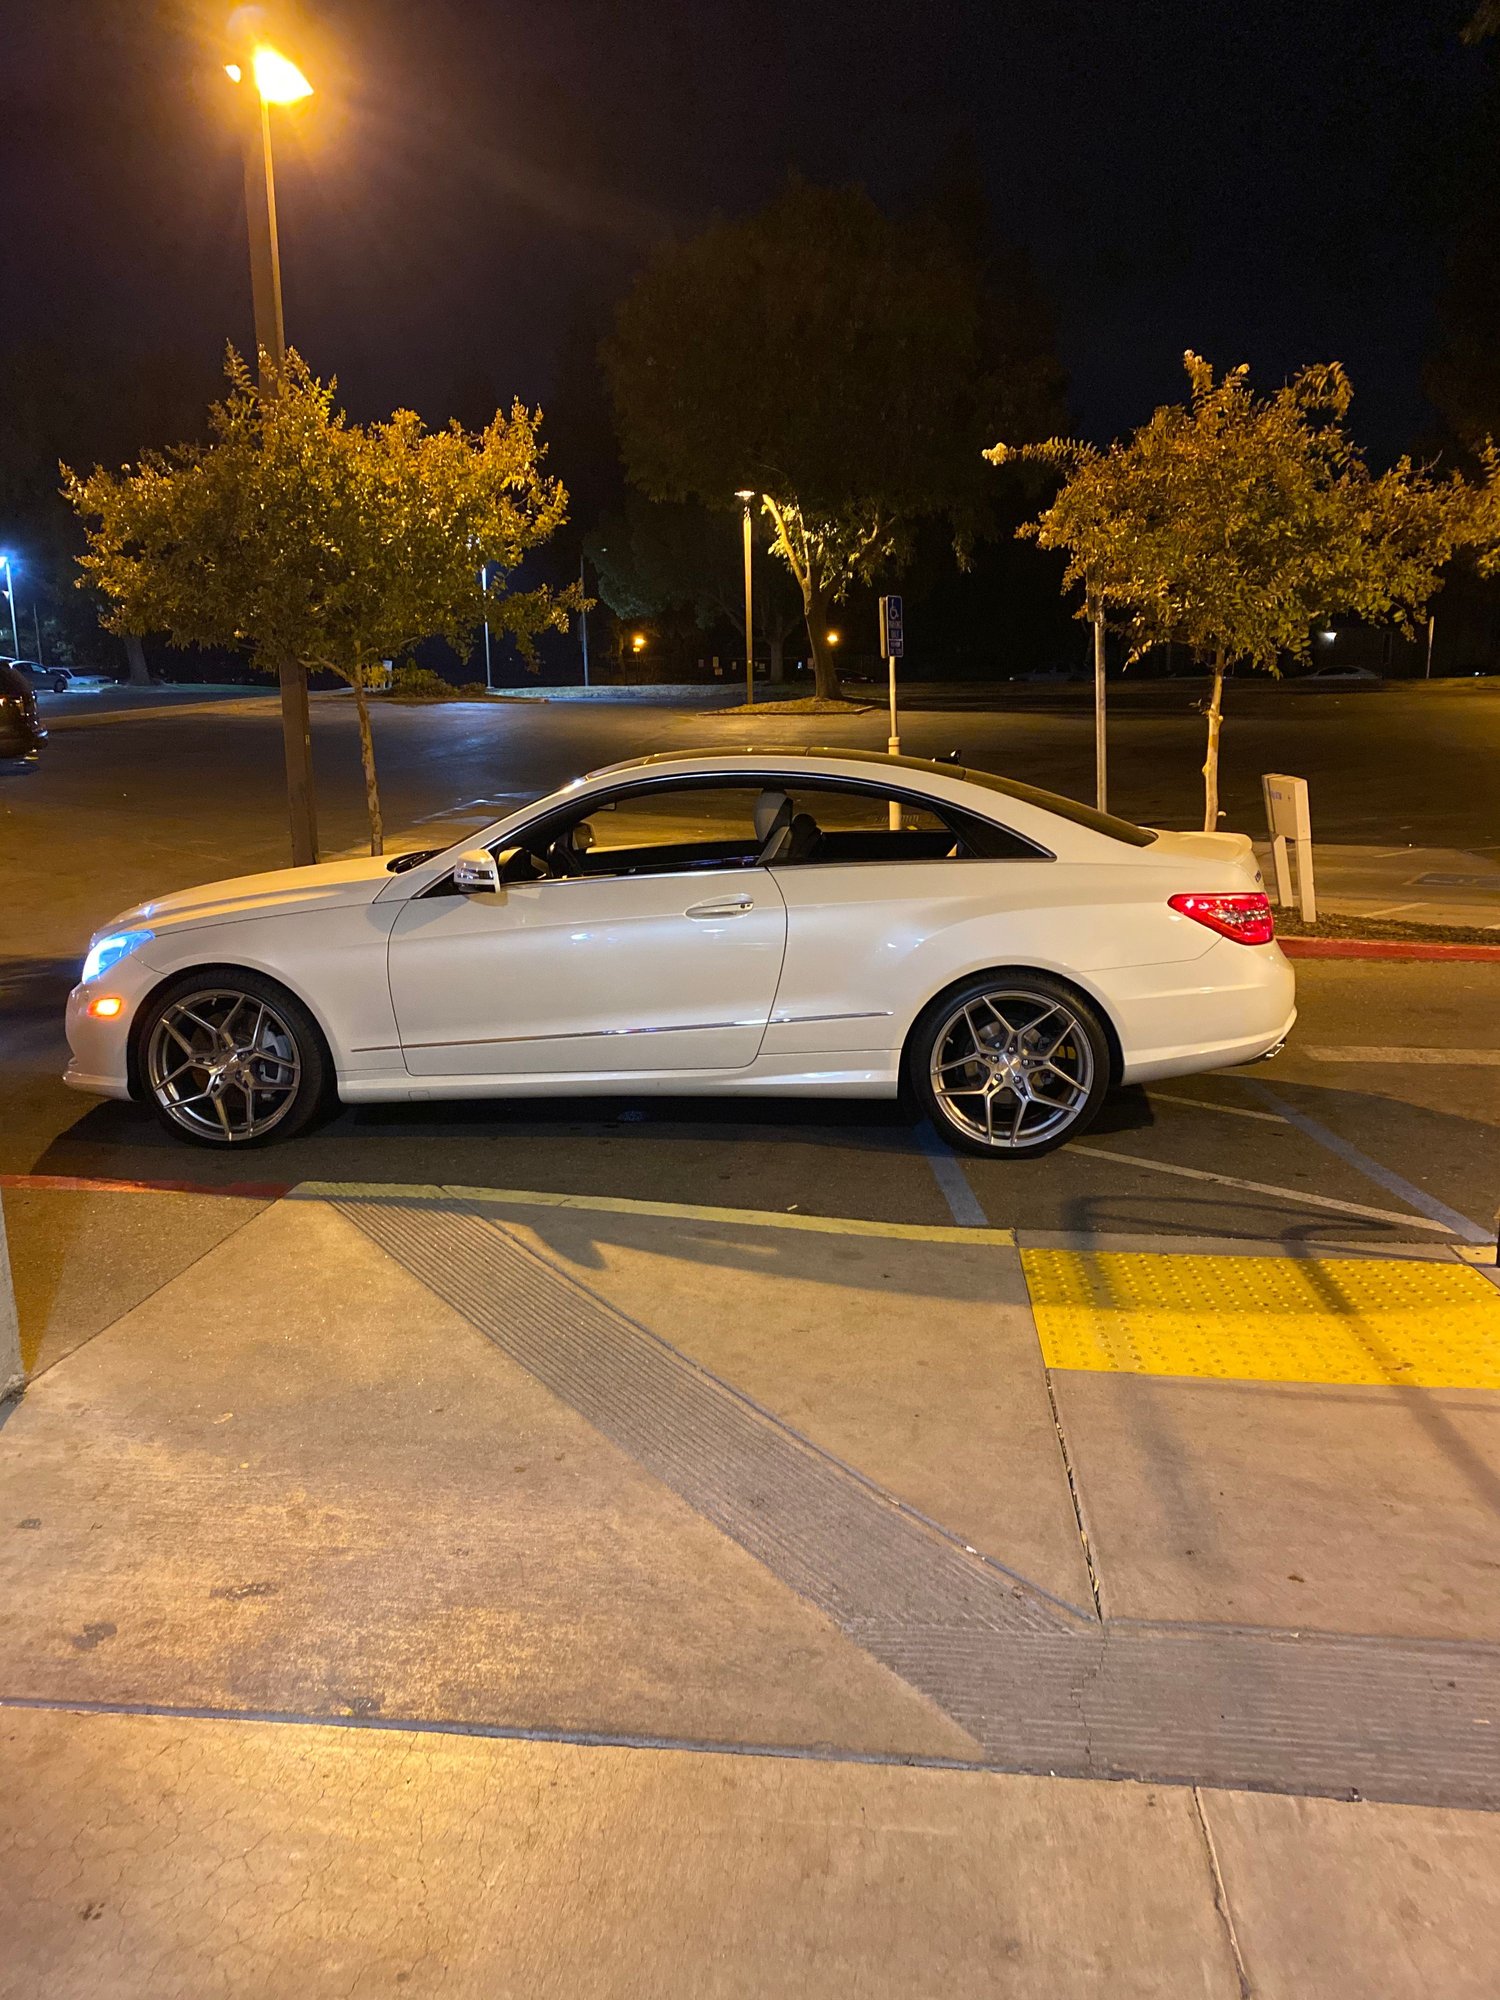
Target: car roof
[[779, 754]]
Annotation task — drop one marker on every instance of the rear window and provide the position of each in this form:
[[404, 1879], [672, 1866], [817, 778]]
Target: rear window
[[1072, 809]]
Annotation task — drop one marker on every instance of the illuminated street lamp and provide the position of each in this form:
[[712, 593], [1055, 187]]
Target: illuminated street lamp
[[277, 80], [747, 494], [638, 643], [10, 598]]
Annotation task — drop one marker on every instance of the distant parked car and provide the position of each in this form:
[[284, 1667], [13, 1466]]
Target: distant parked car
[[36, 675], [1364, 675], [21, 735], [1055, 675]]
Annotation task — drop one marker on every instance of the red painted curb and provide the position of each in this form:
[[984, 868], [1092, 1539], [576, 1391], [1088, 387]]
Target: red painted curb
[[1410, 948], [78, 1184]]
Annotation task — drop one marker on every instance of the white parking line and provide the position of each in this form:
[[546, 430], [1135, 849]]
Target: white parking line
[[1263, 1187], [947, 1171], [1383, 1176], [1204, 1104], [1456, 1058]]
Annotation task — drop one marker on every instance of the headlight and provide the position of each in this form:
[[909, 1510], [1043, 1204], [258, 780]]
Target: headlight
[[110, 949]]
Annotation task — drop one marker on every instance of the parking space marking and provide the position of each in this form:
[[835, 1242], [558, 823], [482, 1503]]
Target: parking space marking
[[1381, 1058], [1263, 1319], [947, 1170], [1267, 1187], [1440, 1214], [405, 1194], [1204, 1104]]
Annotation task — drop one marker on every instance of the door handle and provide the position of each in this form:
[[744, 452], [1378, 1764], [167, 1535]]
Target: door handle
[[729, 906]]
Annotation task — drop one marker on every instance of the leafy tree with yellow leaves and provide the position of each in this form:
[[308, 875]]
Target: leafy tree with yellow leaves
[[295, 534], [1232, 523]]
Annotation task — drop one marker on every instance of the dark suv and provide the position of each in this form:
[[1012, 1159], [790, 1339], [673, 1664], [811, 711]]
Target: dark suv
[[21, 735]]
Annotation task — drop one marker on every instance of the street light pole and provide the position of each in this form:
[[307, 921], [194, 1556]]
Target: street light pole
[[484, 585], [265, 243], [747, 494], [277, 81], [10, 598], [583, 621]]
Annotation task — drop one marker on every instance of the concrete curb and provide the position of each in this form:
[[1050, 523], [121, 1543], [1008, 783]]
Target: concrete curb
[[1407, 948]]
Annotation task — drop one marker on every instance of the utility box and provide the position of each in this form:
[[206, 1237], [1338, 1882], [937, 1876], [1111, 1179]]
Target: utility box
[[1289, 823]]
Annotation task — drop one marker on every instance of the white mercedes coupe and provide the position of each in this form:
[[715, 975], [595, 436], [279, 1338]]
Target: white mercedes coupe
[[833, 922]]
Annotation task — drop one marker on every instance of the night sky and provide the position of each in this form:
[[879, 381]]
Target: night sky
[[1273, 181]]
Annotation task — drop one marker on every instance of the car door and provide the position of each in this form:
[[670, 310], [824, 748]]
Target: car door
[[653, 945], [876, 884]]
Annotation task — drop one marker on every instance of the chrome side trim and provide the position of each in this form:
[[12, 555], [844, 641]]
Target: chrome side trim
[[802, 1020], [584, 1035]]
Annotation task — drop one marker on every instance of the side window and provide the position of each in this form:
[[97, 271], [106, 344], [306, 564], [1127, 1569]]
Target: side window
[[656, 830], [834, 824]]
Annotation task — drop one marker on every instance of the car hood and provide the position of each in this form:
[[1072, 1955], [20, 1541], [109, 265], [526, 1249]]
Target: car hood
[[283, 891]]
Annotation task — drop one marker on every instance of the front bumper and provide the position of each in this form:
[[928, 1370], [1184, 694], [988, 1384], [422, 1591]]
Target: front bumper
[[100, 1050]]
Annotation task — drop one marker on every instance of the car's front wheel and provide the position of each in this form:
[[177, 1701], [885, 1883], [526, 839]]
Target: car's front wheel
[[232, 1059], [1010, 1064]]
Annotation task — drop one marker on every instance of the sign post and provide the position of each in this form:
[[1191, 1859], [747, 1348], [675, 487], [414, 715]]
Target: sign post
[[12, 1375], [1289, 822], [892, 645]]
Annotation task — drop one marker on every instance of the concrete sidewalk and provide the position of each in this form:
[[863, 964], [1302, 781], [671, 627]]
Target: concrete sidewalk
[[418, 1590], [1409, 885]]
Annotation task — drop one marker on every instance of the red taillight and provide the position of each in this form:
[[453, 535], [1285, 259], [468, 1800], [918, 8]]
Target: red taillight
[[1246, 919]]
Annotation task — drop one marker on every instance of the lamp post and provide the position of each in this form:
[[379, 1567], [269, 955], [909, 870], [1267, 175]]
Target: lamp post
[[276, 80], [484, 585], [747, 494], [583, 621], [10, 598]]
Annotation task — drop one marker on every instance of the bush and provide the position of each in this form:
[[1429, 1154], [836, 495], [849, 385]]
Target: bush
[[422, 684]]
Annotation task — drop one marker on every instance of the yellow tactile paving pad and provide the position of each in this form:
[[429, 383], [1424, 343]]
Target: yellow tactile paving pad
[[1267, 1319]]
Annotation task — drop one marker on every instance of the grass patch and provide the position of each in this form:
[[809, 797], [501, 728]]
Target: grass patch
[[810, 704]]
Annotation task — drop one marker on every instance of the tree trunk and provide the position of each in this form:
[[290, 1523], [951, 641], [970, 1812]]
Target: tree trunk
[[778, 664], [825, 666], [367, 758], [135, 655], [1211, 760]]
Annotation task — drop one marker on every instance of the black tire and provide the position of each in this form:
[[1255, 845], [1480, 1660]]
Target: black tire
[[972, 1087], [59, 683], [207, 1084]]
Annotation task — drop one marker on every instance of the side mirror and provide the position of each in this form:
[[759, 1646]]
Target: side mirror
[[476, 873]]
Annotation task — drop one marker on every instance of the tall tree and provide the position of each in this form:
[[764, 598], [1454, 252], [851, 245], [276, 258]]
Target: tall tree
[[293, 533], [656, 556], [1231, 523], [832, 360]]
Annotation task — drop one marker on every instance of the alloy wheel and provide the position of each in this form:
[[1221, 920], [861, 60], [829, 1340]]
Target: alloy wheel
[[1011, 1068], [224, 1065]]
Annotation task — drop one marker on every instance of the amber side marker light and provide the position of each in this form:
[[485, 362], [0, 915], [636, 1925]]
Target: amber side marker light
[[1247, 919], [106, 1006]]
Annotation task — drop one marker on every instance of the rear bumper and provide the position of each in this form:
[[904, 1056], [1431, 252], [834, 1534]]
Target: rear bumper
[[1241, 1003]]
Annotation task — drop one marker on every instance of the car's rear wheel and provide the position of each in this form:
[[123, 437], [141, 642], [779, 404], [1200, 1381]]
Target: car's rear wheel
[[1010, 1065], [232, 1059]]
